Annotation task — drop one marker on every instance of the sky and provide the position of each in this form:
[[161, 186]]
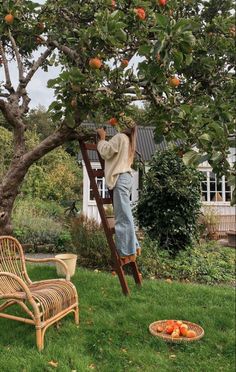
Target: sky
[[37, 88]]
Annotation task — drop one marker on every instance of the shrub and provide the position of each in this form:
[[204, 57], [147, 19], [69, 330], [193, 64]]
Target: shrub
[[37, 223], [169, 204], [56, 176], [207, 263], [90, 242]]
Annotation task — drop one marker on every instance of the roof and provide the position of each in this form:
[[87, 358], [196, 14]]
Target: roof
[[146, 145]]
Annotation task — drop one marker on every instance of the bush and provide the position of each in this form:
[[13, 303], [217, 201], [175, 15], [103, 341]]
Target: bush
[[37, 223], [56, 176], [90, 243], [169, 204], [208, 263]]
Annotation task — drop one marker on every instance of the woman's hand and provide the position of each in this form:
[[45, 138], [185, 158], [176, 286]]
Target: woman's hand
[[101, 133]]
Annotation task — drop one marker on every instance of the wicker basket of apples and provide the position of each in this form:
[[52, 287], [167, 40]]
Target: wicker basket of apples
[[176, 330]]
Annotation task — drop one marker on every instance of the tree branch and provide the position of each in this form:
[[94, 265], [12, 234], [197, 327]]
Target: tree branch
[[18, 58], [7, 113], [51, 142], [5, 95], [8, 84], [36, 65], [2, 105], [26, 100], [65, 49], [157, 100]]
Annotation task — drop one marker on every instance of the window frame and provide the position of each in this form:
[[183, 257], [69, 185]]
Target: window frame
[[208, 191], [104, 190]]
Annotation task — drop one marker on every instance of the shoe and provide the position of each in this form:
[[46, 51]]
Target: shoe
[[127, 259]]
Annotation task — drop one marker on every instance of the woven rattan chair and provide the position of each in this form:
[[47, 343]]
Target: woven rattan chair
[[45, 302]]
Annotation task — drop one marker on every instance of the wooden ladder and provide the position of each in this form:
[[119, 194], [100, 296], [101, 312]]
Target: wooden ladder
[[109, 230]]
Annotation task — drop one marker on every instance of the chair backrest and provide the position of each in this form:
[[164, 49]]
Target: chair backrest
[[12, 261]]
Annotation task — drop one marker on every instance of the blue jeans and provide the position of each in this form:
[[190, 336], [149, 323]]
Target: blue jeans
[[125, 237]]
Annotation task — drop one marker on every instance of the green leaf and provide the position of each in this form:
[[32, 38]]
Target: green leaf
[[217, 129], [57, 116], [162, 20], [144, 50], [205, 137], [178, 58], [182, 25], [188, 59], [231, 180], [121, 35], [217, 156], [159, 46], [115, 15], [188, 37], [190, 157], [51, 83], [54, 106], [70, 120]]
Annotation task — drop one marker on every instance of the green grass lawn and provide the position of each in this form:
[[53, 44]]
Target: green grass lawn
[[113, 334]]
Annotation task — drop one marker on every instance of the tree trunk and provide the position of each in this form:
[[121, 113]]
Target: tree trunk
[[10, 185], [9, 190]]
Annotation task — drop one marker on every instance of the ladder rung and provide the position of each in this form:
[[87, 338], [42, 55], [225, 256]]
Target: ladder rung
[[106, 200], [98, 172], [90, 146], [110, 221]]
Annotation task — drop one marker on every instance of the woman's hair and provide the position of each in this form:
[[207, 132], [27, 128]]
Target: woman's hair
[[132, 134]]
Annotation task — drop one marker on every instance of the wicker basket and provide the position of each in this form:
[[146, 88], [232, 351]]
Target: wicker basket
[[166, 337]]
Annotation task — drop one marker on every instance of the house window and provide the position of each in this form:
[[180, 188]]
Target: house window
[[215, 189], [102, 189]]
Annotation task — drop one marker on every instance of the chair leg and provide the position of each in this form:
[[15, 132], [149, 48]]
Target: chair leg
[[77, 315], [39, 339]]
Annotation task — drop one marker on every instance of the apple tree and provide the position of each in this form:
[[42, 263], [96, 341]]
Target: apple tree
[[176, 56]]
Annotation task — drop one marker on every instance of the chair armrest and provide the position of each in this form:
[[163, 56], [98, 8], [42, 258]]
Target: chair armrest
[[52, 259], [19, 281]]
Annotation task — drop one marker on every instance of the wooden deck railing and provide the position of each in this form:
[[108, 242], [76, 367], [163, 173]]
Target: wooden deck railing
[[224, 224]]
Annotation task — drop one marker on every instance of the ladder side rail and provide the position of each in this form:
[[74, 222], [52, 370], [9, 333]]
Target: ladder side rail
[[108, 233]]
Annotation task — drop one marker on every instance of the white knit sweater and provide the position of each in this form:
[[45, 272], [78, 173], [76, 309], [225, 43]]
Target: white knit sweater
[[115, 152]]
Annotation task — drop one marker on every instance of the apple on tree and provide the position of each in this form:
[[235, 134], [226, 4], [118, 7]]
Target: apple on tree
[[174, 81], [9, 18], [162, 2], [95, 63], [113, 121], [140, 13], [124, 62]]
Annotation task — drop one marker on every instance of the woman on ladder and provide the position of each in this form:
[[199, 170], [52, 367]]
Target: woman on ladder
[[118, 154]]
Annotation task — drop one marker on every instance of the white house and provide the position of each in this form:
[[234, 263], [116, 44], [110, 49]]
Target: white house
[[216, 193]]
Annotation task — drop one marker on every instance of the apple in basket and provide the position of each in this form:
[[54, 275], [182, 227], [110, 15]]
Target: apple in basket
[[159, 328], [178, 328], [175, 329], [183, 329]]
